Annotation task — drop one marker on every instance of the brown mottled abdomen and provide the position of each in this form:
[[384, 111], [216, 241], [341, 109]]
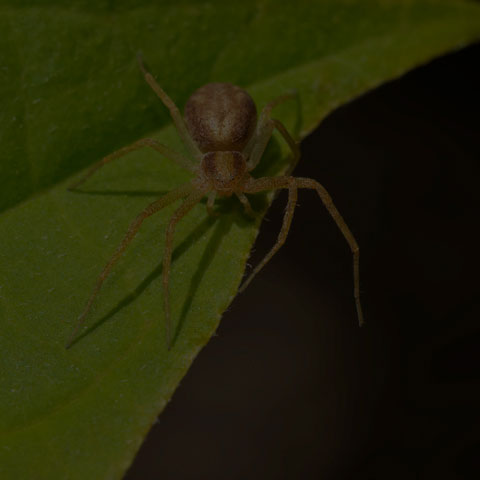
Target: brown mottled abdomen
[[220, 117]]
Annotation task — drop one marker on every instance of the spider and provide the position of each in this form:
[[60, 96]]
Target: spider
[[226, 142]]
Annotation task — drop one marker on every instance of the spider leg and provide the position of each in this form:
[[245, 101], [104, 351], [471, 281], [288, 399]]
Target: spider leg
[[292, 183], [254, 151], [265, 126], [186, 206], [154, 207], [246, 204], [329, 205], [145, 142], [291, 143], [274, 183], [210, 202], [174, 111]]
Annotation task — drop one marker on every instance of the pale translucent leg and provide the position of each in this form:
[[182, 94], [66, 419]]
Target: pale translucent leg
[[273, 183], [291, 143], [256, 146], [145, 142], [186, 206], [246, 204], [262, 137], [174, 111], [210, 202], [328, 202], [154, 207]]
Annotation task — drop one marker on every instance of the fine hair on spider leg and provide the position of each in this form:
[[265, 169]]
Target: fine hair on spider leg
[[133, 229], [225, 142], [292, 184]]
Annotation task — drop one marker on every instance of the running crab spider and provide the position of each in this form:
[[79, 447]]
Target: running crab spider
[[225, 142]]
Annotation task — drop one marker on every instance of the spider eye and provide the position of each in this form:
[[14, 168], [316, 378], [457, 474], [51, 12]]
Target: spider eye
[[224, 169]]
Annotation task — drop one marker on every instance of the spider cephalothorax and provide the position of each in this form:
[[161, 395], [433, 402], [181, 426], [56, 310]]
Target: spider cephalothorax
[[225, 172]]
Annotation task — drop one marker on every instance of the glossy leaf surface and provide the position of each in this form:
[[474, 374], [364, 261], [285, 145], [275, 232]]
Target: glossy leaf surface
[[71, 93]]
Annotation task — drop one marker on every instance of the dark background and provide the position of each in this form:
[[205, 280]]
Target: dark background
[[291, 388]]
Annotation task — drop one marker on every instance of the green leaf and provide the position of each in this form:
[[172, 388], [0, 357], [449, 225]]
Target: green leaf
[[71, 93]]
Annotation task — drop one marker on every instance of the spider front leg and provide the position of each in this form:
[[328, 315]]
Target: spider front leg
[[246, 204], [174, 111], [211, 202], [341, 224], [265, 126], [154, 207], [292, 183], [145, 142], [274, 183]]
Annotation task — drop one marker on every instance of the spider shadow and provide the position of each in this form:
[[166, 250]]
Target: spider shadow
[[128, 193], [228, 211], [222, 224]]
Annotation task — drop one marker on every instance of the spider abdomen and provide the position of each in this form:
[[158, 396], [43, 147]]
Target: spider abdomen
[[220, 117]]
